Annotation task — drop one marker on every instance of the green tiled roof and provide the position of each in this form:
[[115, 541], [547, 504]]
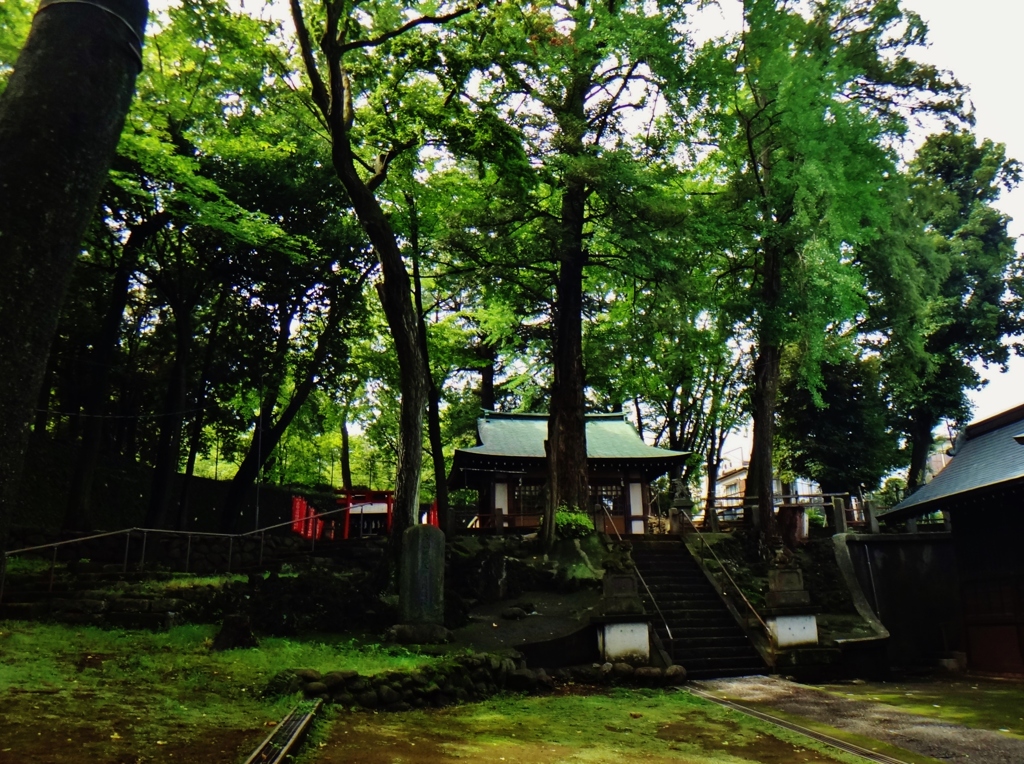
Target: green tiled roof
[[985, 456], [609, 436]]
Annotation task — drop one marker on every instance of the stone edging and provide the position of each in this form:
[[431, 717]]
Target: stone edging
[[467, 678]]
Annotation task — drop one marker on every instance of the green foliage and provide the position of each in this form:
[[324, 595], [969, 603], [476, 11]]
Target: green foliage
[[844, 440], [891, 493], [572, 524], [966, 297], [15, 19]]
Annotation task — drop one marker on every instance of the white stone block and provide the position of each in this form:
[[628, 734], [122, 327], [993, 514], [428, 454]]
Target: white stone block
[[794, 630], [629, 642]]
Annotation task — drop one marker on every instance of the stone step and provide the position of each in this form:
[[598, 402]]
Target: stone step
[[677, 600], [706, 632], [708, 665], [687, 652], [733, 640], [707, 641]]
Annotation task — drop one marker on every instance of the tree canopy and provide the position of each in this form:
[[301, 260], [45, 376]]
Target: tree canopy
[[323, 230]]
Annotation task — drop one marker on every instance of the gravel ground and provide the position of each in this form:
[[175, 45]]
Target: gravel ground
[[928, 737]]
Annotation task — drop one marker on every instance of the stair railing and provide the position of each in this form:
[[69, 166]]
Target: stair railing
[[703, 544], [639, 575], [55, 546]]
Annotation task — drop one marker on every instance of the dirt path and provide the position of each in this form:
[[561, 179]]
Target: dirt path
[[920, 734]]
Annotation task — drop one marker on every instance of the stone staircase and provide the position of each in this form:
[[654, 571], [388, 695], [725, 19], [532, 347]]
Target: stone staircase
[[706, 639]]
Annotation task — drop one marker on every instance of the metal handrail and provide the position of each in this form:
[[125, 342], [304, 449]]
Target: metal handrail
[[726, 571], [127, 533], [639, 575]]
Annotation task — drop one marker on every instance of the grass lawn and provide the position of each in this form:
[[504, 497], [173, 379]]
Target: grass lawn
[[990, 704], [73, 694], [618, 726]]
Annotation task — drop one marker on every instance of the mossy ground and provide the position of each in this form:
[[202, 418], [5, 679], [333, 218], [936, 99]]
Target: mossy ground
[[620, 726], [86, 694]]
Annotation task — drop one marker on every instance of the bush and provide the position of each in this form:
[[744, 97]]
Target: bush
[[570, 524]]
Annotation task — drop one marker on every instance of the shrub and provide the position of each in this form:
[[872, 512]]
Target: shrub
[[570, 524]]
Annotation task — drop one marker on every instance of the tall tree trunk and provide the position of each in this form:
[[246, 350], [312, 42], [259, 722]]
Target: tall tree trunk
[[434, 393], [567, 434], [195, 436], [78, 514], [168, 453], [921, 440], [346, 453], [759, 496], [487, 374], [714, 463], [334, 99], [395, 292], [60, 119], [265, 439]]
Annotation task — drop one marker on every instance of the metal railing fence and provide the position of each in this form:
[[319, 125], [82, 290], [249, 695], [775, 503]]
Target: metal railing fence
[[145, 534]]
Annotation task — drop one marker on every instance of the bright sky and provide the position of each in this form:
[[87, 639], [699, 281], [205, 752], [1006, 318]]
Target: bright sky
[[978, 42]]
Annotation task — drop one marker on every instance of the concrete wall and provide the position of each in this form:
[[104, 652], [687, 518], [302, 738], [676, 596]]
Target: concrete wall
[[911, 583]]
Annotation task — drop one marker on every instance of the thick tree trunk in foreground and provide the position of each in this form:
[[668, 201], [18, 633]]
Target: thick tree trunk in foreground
[[60, 119], [567, 436], [396, 297], [759, 496]]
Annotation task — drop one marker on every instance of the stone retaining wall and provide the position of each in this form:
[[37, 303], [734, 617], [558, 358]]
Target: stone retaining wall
[[468, 678]]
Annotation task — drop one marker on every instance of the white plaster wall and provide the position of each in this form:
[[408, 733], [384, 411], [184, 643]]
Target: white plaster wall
[[636, 508], [501, 498]]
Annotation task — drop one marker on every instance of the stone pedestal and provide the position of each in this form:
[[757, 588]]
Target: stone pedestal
[[620, 595], [790, 617], [837, 515], [871, 515], [786, 588], [421, 582]]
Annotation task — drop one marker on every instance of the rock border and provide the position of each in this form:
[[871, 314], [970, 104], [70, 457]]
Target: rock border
[[467, 678]]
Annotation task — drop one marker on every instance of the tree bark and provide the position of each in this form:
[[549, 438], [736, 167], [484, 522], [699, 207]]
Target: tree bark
[[714, 462], [567, 437], [568, 484], [60, 119], [487, 380], [760, 487], [433, 394], [396, 297], [759, 496]]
